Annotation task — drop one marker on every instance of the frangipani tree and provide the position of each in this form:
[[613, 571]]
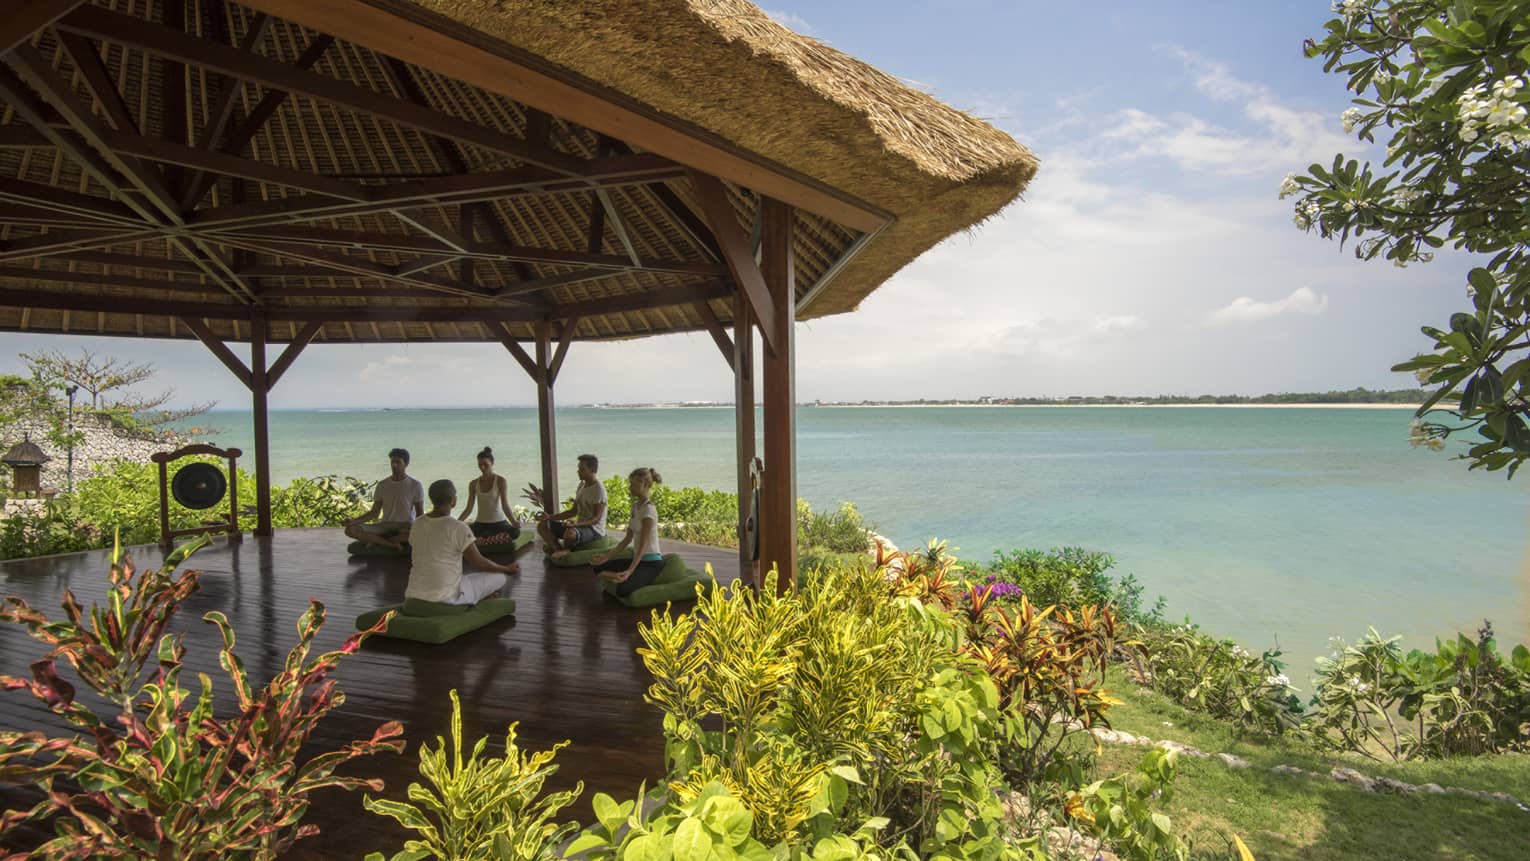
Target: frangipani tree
[[1443, 84]]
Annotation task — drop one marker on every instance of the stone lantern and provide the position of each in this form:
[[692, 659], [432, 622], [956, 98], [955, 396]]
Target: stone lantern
[[25, 460]]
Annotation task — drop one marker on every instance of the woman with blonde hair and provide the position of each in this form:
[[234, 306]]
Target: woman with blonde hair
[[642, 535]]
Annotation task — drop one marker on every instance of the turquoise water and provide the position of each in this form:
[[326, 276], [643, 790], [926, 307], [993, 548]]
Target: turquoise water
[[1261, 524]]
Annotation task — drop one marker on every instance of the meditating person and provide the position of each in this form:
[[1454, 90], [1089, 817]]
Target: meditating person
[[490, 494], [582, 523], [399, 499], [439, 545], [642, 534]]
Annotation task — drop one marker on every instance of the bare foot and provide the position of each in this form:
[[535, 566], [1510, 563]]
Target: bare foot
[[494, 594], [559, 554], [513, 568]]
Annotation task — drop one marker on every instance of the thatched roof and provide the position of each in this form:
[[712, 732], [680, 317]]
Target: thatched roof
[[382, 170]]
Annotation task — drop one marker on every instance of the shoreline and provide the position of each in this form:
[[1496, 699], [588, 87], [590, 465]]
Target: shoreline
[[1302, 406]]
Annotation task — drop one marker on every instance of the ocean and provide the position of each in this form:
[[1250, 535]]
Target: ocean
[[1271, 526]]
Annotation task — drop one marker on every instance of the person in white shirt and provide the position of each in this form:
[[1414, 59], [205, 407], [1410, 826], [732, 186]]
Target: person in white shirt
[[398, 499], [642, 534], [490, 494], [439, 543], [582, 523]]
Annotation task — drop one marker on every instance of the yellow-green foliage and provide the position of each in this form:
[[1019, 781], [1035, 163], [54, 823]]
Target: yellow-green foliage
[[843, 709], [481, 808]]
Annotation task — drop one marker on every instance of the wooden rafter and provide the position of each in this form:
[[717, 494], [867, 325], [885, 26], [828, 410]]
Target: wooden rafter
[[171, 44], [736, 251], [25, 17]]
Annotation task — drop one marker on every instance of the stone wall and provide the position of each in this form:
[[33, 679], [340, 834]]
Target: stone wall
[[103, 443]]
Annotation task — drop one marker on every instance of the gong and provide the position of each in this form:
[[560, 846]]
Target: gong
[[198, 485]]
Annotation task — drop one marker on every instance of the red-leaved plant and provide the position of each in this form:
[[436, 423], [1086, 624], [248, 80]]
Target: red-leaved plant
[[165, 777]]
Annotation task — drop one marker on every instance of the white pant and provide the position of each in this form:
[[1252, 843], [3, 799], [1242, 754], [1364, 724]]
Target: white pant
[[477, 586]]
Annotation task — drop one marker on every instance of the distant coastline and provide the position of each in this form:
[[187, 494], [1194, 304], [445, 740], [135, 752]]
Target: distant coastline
[[1360, 398]]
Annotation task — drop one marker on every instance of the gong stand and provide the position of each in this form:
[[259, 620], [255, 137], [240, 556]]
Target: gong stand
[[231, 525]]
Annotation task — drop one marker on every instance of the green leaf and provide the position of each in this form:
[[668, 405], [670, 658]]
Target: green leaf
[[691, 842], [607, 813]]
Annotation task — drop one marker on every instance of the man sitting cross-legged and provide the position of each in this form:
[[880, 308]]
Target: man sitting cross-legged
[[399, 498], [439, 544], [582, 523]]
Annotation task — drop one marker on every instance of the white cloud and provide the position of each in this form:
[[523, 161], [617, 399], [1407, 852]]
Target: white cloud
[[1247, 310], [1276, 136]]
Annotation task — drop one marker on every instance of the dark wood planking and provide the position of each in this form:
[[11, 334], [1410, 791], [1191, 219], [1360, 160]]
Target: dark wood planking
[[565, 667]]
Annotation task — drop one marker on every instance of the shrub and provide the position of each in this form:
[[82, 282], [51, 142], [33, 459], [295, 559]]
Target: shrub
[[1462, 699], [164, 776], [843, 530], [480, 808], [324, 501], [1118, 809], [1070, 577], [1219, 677], [52, 529]]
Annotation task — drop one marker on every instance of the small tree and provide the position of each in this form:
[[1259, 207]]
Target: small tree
[[1444, 82], [107, 380]]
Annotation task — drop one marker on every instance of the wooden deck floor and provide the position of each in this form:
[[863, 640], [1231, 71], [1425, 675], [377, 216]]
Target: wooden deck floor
[[564, 667]]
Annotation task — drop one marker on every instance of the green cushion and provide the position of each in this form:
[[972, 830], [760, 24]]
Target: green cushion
[[362, 548], [434, 627], [509, 548], [582, 554], [674, 584]]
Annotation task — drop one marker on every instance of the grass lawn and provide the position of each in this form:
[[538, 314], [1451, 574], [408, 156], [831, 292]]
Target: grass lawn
[[1295, 817]]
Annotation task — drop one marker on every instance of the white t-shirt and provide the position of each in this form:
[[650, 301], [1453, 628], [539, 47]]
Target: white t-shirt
[[436, 548], [398, 498], [641, 510], [587, 501]]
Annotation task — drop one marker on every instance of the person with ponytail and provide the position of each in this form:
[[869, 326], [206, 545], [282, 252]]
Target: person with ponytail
[[490, 493], [642, 535]]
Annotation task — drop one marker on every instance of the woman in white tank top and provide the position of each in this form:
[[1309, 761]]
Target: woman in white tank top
[[489, 493]]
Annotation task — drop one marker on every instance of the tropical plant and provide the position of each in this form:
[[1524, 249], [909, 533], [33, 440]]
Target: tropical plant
[[480, 808], [1444, 82], [164, 776], [1119, 810], [1219, 677], [327, 500], [1463, 699], [1069, 577], [841, 712]]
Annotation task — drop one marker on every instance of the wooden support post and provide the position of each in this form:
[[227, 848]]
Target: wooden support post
[[545, 424], [258, 392], [743, 423], [778, 498]]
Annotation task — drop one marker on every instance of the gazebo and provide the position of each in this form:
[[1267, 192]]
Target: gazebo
[[280, 172]]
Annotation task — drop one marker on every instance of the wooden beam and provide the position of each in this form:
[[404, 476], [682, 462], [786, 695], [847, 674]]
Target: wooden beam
[[778, 498], [252, 123], [168, 43], [432, 41], [167, 152], [743, 434], [63, 200], [715, 328], [536, 285], [502, 332], [566, 333], [684, 217], [401, 242], [595, 234], [16, 136], [828, 275], [222, 109], [618, 226], [60, 241], [99, 80], [466, 188], [26, 297], [23, 18], [97, 279], [682, 295], [131, 261], [260, 388], [736, 252], [219, 350], [172, 93], [547, 428], [343, 263], [294, 348]]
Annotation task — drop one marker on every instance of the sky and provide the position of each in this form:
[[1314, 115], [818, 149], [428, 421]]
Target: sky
[[1150, 255]]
